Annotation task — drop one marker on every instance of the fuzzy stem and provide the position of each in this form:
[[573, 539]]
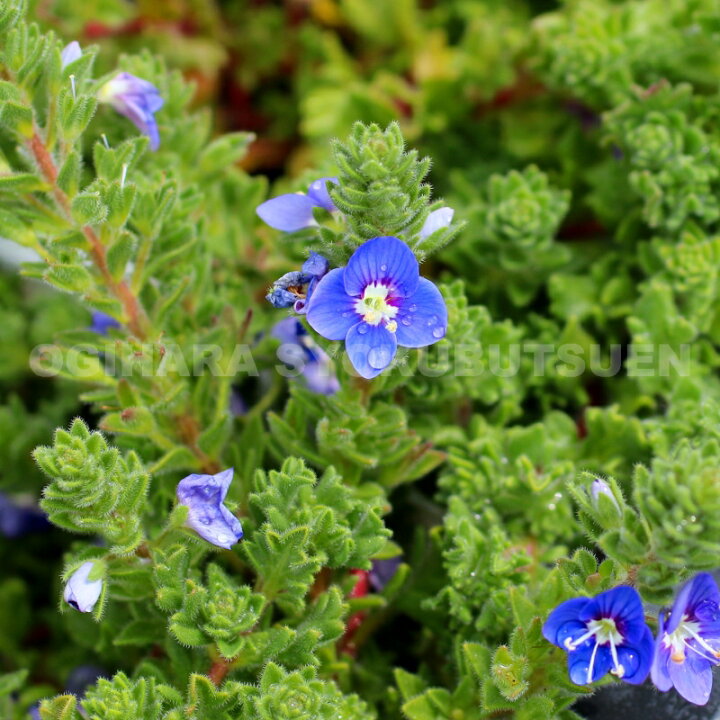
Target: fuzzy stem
[[137, 318]]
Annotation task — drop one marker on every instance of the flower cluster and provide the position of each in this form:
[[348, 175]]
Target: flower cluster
[[608, 634]]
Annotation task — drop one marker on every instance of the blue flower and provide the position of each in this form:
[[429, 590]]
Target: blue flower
[[377, 302], [688, 643], [300, 351], [136, 99], [18, 519], [603, 634], [436, 220], [207, 515], [70, 53], [101, 323], [294, 289], [80, 592], [294, 211], [383, 571]]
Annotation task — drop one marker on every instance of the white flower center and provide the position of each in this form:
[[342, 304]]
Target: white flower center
[[603, 631], [678, 640], [374, 307]]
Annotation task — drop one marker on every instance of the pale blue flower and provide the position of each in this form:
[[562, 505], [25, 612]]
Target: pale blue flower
[[80, 592]]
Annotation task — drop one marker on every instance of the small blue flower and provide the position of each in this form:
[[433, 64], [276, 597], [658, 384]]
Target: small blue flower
[[81, 593], [204, 496], [70, 53], [18, 518], [437, 220], [377, 302], [300, 351], [688, 643], [603, 634], [136, 99], [600, 487], [294, 289], [383, 571], [294, 211], [101, 323]]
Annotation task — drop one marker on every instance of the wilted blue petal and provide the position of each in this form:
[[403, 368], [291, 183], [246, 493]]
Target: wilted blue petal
[[384, 260], [331, 311], [422, 317], [371, 348], [136, 99], [316, 265], [70, 53], [436, 220], [288, 213], [207, 515], [81, 593], [280, 298], [318, 193]]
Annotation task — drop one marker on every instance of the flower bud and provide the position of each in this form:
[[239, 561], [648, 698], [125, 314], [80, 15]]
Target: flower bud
[[80, 592]]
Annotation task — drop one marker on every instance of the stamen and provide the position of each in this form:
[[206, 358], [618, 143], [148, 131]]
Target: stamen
[[124, 175], [704, 645], [619, 669], [571, 644], [591, 666], [695, 650], [72, 86], [105, 141]]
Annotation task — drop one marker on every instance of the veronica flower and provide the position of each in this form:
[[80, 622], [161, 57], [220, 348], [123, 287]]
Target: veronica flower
[[294, 289], [300, 351], [136, 99], [377, 302], [437, 220], [600, 487], [603, 634], [101, 323], [70, 53], [80, 592], [383, 571], [688, 642], [294, 211], [204, 496]]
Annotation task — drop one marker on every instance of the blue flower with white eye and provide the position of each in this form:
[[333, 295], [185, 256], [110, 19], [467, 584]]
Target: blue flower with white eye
[[606, 633], [204, 496], [294, 211], [81, 592], [688, 641], [377, 303], [70, 53], [294, 289], [300, 351], [138, 100]]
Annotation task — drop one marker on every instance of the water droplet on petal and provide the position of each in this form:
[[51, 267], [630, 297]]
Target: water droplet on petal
[[362, 329], [383, 267], [379, 357], [347, 313], [438, 332], [432, 320], [406, 321], [412, 308]]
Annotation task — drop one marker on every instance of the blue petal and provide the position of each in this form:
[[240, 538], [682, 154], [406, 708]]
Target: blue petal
[[101, 323], [421, 317], [140, 116], [319, 194], [70, 53], [316, 265], [579, 662], [288, 213], [694, 594], [637, 659], [566, 612], [692, 678], [436, 220], [661, 657], [331, 311], [385, 260], [320, 378], [371, 348], [622, 604], [288, 330]]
